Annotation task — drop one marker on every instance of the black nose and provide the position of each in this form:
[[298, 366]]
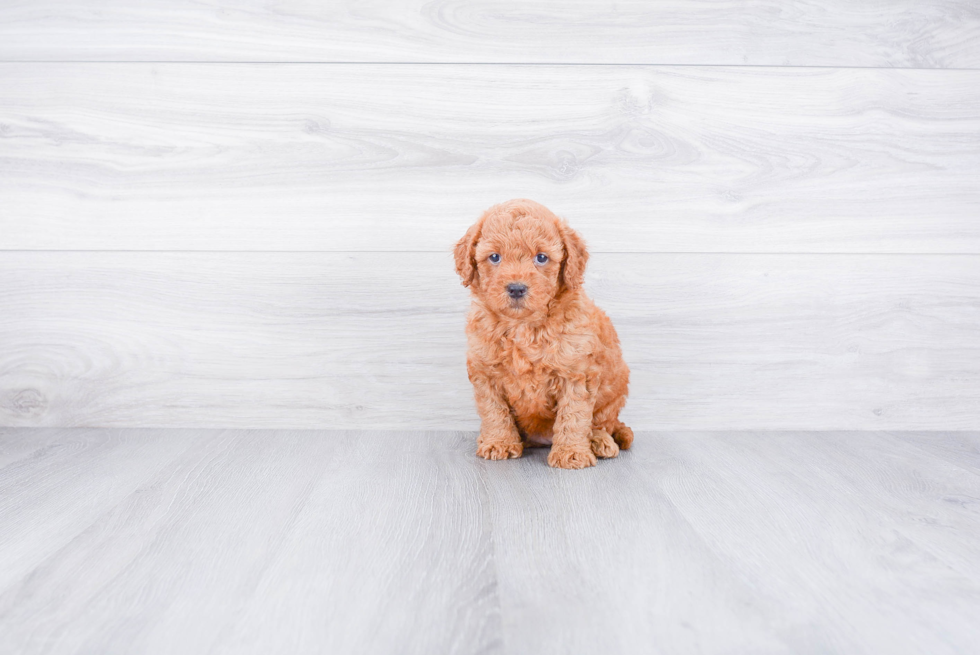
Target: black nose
[[516, 290]]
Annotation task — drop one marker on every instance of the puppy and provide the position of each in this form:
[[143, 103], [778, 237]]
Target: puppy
[[544, 361]]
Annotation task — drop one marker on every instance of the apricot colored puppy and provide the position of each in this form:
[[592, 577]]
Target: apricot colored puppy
[[544, 361]]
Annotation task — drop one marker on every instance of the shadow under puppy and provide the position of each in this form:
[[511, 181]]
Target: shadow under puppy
[[545, 362]]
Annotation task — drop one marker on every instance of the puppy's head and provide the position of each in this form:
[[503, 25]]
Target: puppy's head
[[519, 256]]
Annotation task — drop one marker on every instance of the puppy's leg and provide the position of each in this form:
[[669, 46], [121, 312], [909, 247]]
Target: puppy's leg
[[602, 444], [571, 446], [499, 438], [608, 419], [623, 436]]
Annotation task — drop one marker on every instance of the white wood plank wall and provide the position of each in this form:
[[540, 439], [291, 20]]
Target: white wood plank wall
[[901, 33], [239, 214]]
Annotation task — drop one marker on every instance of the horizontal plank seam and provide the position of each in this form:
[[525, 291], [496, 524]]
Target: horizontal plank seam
[[470, 63], [4, 251], [12, 428]]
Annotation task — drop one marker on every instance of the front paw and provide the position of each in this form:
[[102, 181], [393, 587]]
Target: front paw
[[570, 458], [500, 449]]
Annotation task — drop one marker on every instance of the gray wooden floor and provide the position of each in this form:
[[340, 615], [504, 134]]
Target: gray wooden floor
[[238, 541]]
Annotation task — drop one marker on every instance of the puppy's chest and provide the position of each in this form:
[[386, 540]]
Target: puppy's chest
[[528, 377]]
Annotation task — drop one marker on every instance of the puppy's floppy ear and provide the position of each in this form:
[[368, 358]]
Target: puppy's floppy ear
[[465, 253], [572, 272]]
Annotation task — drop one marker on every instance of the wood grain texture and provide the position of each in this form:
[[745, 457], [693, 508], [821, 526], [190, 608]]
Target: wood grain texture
[[186, 553], [961, 448], [109, 466], [371, 542], [873, 517], [375, 340], [403, 157], [905, 33]]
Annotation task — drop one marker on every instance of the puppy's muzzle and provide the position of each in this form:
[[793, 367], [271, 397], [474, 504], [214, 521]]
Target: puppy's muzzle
[[516, 291]]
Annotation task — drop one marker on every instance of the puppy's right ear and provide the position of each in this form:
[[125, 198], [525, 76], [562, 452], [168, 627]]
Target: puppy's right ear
[[465, 254]]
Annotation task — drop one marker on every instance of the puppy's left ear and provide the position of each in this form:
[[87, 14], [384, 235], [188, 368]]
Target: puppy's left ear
[[576, 256], [465, 254]]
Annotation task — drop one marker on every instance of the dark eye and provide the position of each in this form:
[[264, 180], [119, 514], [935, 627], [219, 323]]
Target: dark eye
[[494, 258], [541, 258]]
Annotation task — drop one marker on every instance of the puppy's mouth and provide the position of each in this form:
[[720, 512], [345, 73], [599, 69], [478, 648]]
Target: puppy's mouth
[[517, 304]]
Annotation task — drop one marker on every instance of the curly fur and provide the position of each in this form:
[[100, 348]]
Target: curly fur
[[546, 368]]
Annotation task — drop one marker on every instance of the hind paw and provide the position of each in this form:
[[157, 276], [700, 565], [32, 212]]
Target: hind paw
[[623, 437], [602, 444]]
